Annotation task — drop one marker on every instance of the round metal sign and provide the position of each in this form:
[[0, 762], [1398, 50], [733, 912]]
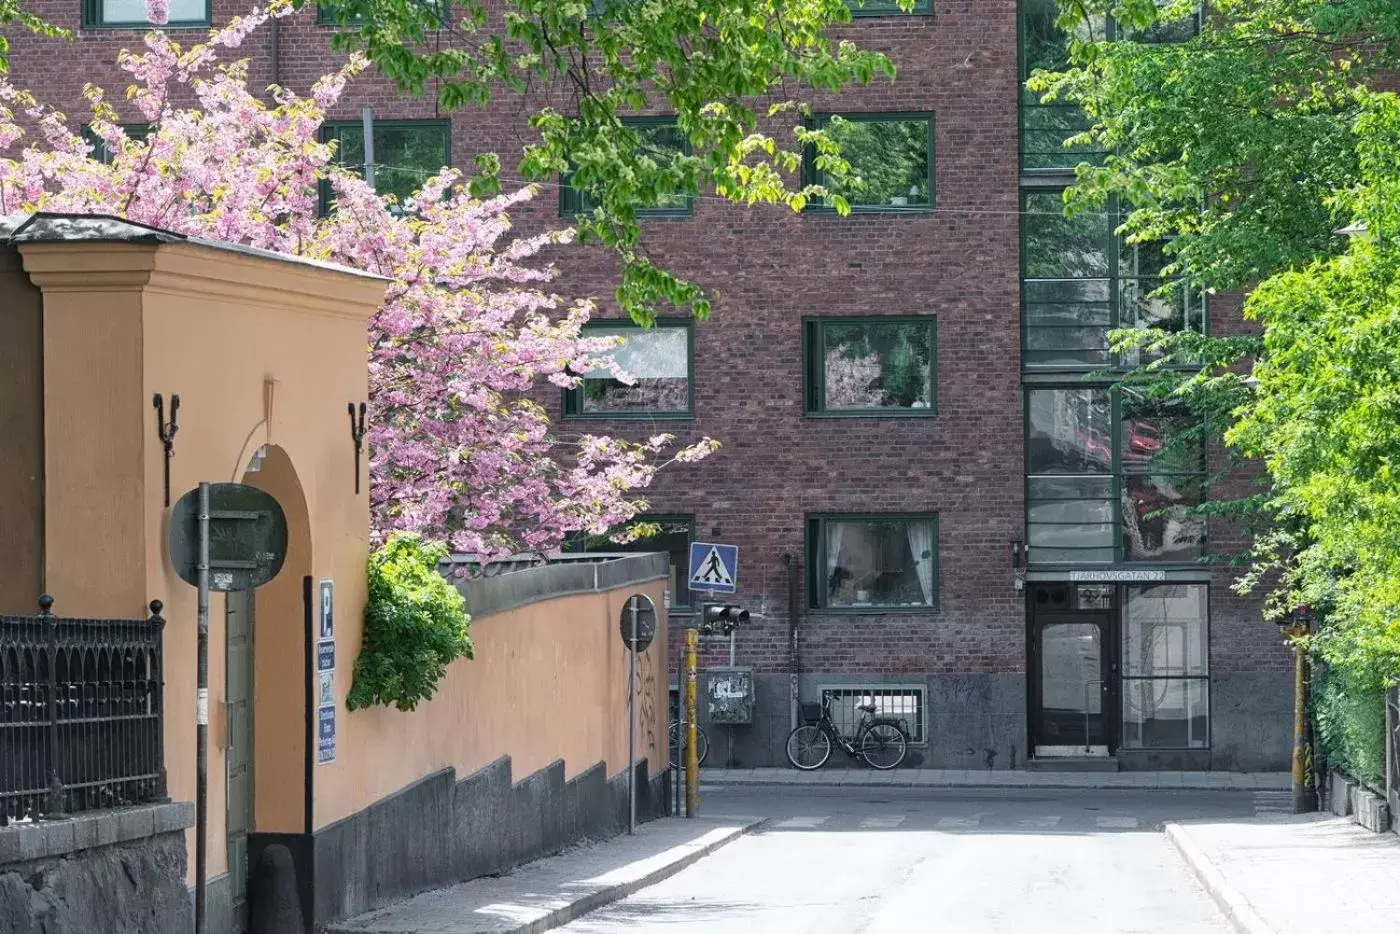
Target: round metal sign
[[640, 607], [247, 537]]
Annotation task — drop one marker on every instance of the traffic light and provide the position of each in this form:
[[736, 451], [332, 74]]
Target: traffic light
[[723, 618]]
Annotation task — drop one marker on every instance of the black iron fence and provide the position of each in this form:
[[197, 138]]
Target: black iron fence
[[81, 713], [1392, 703]]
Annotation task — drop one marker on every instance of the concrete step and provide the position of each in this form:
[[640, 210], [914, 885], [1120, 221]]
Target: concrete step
[[1073, 764]]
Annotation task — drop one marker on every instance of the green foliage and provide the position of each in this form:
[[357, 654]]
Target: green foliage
[[720, 66], [1349, 720], [1247, 145], [415, 626]]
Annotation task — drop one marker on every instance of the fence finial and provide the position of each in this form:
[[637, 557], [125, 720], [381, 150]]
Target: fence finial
[[45, 604], [156, 618]]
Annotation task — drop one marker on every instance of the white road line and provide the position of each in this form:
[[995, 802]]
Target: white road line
[[882, 823], [951, 822], [801, 823], [1117, 823], [1041, 823]]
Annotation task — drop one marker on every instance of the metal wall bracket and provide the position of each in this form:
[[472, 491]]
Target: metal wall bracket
[[357, 435], [166, 431]]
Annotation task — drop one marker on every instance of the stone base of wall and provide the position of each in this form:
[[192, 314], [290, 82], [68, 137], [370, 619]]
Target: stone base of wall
[[1347, 798], [114, 872], [978, 721], [440, 830]]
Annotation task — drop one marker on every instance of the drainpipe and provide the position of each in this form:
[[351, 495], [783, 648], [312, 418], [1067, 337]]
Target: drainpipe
[[794, 656], [276, 50]]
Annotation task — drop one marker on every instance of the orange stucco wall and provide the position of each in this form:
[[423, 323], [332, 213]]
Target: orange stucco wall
[[549, 681], [125, 321]]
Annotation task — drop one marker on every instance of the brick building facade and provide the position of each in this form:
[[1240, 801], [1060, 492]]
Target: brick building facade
[[891, 531]]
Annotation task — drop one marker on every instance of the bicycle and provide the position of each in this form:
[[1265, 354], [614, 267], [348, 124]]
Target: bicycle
[[677, 744], [881, 741]]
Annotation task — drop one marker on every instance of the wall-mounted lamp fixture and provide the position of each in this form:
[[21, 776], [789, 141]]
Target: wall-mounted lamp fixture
[[166, 431], [1017, 552], [357, 435]]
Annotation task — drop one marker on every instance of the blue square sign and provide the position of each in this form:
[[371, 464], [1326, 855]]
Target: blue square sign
[[714, 567]]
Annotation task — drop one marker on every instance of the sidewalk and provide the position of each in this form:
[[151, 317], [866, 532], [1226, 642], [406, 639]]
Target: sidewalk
[[923, 778], [1305, 874], [553, 891]]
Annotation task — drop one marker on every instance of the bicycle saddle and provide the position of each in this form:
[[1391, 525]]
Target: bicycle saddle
[[868, 708]]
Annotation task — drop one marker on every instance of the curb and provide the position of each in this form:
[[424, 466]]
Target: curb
[[1125, 781], [1232, 904], [616, 893]]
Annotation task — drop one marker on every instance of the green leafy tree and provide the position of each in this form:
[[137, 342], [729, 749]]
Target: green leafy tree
[[725, 68], [1246, 143], [12, 14], [415, 626]]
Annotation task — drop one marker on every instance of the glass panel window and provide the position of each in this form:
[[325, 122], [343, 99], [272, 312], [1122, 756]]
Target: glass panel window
[[656, 362], [406, 152], [1161, 455], [871, 366], [1166, 666], [1070, 431], [673, 536], [135, 131], [660, 140], [1046, 127], [891, 159], [133, 13], [875, 562]]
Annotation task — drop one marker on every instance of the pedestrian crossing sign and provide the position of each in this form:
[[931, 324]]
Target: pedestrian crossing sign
[[714, 567]]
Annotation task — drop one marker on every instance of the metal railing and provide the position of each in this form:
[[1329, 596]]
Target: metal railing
[[1392, 703], [81, 713], [896, 701]]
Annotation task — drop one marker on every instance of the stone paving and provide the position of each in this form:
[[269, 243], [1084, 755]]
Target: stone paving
[[542, 895], [1304, 874]]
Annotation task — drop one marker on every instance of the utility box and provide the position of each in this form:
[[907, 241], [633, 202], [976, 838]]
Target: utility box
[[730, 694]]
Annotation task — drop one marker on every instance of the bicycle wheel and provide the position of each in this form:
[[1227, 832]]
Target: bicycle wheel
[[702, 746], [883, 746], [808, 747], [674, 738]]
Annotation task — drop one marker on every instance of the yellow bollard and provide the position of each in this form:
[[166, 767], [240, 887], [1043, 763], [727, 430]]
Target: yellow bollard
[[692, 760]]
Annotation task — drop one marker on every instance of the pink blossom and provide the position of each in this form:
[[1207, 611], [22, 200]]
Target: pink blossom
[[458, 451]]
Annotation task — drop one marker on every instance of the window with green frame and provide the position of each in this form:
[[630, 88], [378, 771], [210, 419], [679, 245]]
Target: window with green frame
[[658, 361], [1081, 281], [891, 159], [1111, 477], [887, 8], [868, 563], [100, 151], [325, 17], [131, 14], [660, 139], [885, 365], [673, 536], [1046, 127], [406, 153]]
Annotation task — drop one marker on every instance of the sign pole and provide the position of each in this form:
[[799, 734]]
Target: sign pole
[[692, 758], [632, 724], [201, 805]]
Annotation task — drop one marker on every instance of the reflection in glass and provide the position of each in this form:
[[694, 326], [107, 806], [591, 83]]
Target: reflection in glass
[[877, 365], [889, 159], [1157, 526], [1070, 431], [660, 142], [877, 562], [1071, 696], [134, 11], [405, 155], [1171, 713], [1164, 631], [657, 362]]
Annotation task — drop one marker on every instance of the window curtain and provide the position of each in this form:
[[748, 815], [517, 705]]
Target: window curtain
[[921, 544], [832, 532]]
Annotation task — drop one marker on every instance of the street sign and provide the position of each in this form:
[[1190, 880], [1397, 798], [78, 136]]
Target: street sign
[[247, 537], [714, 567], [645, 610]]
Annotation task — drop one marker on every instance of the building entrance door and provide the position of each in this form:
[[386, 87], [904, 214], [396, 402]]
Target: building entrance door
[[238, 757], [1073, 685]]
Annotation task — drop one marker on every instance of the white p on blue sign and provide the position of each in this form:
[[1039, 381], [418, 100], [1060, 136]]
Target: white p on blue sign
[[714, 567]]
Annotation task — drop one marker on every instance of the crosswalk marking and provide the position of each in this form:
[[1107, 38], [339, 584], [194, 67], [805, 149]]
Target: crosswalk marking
[[1117, 823], [1039, 823], [1273, 802], [801, 823], [882, 823], [953, 822]]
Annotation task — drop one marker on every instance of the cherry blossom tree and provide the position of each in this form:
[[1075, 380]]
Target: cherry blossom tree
[[460, 452]]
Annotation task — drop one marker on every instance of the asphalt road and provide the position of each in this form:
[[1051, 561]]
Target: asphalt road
[[879, 861]]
